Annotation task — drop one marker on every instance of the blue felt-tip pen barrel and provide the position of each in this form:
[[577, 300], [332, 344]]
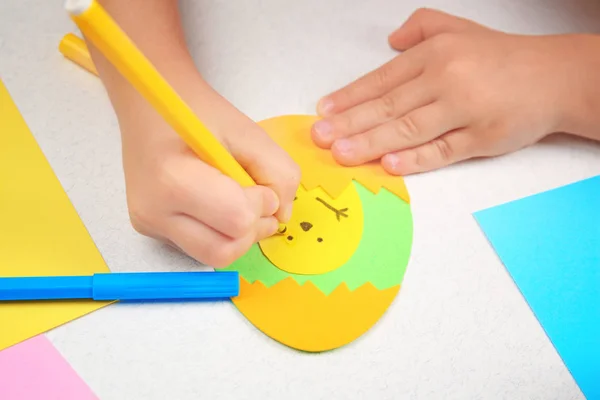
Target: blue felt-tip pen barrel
[[123, 286]]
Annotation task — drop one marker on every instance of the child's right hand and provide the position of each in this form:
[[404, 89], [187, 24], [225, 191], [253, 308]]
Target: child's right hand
[[171, 194], [175, 197]]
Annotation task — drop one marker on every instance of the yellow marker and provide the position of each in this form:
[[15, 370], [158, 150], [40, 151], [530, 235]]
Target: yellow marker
[[74, 48], [107, 36]]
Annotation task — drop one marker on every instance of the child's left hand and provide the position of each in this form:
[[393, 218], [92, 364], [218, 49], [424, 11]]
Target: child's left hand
[[459, 90]]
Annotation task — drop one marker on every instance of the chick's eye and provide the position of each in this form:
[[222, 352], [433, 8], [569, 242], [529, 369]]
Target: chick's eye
[[319, 240]]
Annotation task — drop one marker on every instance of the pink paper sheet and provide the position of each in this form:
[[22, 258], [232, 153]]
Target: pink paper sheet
[[34, 369]]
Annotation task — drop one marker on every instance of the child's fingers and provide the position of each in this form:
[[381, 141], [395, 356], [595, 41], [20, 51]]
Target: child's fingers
[[448, 149], [269, 165], [202, 242], [411, 130], [211, 247], [412, 95], [216, 200], [262, 200], [374, 84], [423, 24], [266, 227]]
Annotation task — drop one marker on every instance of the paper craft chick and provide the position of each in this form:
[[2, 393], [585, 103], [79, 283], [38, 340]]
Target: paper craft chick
[[339, 265]]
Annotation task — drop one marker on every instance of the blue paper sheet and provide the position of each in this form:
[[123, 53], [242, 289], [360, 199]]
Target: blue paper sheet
[[550, 245]]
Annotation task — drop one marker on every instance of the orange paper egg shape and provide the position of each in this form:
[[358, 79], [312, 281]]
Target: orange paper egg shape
[[340, 264]]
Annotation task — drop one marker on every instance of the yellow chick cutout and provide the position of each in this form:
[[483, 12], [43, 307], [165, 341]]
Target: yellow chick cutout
[[321, 228], [334, 272]]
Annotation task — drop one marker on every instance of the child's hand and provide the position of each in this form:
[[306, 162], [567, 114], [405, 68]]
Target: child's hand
[[175, 197], [171, 194], [459, 90]]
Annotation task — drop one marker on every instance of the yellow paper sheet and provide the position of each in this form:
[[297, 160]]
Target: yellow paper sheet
[[40, 231]]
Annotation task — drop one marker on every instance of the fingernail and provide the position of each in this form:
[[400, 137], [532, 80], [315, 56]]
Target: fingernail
[[287, 213], [272, 203], [325, 106], [392, 161], [323, 130], [274, 228], [344, 147]]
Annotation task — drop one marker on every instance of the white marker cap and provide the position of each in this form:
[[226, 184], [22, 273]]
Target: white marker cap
[[76, 7]]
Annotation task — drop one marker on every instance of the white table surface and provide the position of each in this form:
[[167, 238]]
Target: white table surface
[[458, 329]]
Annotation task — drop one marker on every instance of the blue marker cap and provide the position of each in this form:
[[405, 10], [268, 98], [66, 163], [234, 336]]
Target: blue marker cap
[[123, 286]]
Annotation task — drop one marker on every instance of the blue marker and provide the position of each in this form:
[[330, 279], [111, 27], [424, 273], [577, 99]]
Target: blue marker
[[123, 286]]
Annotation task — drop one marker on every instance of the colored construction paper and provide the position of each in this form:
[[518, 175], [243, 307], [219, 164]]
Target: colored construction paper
[[381, 257], [304, 318], [322, 234], [319, 168], [337, 293], [35, 370], [40, 231], [550, 245]]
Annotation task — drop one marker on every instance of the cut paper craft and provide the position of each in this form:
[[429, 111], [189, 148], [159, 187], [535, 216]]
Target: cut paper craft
[[321, 229], [40, 231], [550, 245], [307, 319], [334, 304], [371, 271], [319, 168], [381, 258], [35, 370]]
